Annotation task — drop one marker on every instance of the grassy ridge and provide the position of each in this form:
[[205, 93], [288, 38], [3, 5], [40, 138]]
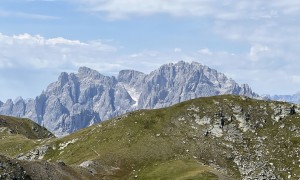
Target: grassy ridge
[[170, 143], [24, 127], [18, 135], [138, 139]]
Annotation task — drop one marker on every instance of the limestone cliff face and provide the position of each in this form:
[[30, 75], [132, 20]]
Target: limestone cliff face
[[78, 100]]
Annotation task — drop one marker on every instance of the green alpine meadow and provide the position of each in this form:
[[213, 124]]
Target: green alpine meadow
[[219, 137]]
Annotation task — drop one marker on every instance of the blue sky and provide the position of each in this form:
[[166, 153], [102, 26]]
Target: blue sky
[[254, 42]]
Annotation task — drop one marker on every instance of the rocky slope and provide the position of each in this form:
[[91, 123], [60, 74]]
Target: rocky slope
[[220, 137], [78, 100], [10, 169]]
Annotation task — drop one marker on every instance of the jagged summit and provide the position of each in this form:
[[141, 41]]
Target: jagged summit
[[78, 100], [89, 75], [128, 76], [86, 71]]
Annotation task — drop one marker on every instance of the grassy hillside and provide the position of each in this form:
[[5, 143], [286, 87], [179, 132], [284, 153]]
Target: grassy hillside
[[258, 139], [24, 127], [178, 169], [20, 135], [17, 136]]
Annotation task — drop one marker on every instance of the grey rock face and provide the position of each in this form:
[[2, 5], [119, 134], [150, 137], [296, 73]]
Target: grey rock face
[[18, 108], [78, 100], [174, 83]]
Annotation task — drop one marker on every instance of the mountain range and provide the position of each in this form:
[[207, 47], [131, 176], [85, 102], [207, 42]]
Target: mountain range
[[78, 100], [294, 98]]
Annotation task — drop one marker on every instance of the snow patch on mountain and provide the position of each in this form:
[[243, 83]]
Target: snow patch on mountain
[[134, 94]]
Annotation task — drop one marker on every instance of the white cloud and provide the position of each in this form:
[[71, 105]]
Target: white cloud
[[229, 10], [60, 40], [177, 50], [30, 51], [296, 79], [265, 33], [4, 13], [205, 51], [116, 9], [273, 37], [28, 63], [256, 50]]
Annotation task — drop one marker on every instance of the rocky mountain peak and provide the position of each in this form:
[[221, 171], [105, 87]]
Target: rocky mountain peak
[[89, 76], [88, 72], [9, 101], [186, 65], [127, 76], [6, 107], [63, 78], [179, 66], [18, 99]]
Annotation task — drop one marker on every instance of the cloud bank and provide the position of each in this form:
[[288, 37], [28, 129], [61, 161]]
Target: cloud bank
[[229, 10], [35, 51]]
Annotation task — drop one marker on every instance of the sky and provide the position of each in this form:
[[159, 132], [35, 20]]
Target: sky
[[254, 42]]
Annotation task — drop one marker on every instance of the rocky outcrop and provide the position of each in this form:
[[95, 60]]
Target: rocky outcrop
[[78, 100], [27, 170], [11, 169], [36, 154]]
